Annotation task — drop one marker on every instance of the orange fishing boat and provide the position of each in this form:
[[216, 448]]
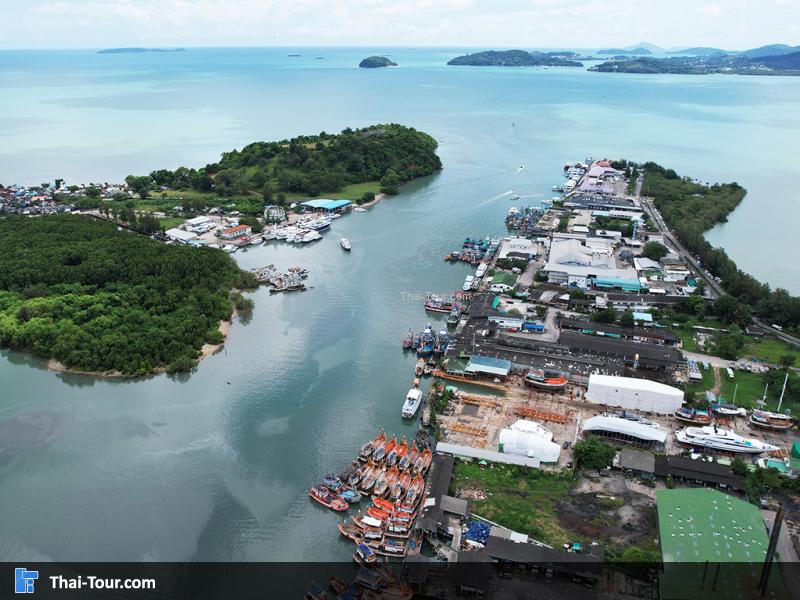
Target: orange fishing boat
[[383, 504], [396, 454], [370, 447], [377, 513], [381, 453], [414, 492], [385, 483], [410, 458], [400, 486], [351, 532], [369, 478], [423, 462]]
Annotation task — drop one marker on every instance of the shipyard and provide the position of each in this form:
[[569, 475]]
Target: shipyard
[[563, 365]]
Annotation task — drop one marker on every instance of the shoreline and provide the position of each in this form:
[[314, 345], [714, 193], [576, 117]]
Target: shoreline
[[51, 364]]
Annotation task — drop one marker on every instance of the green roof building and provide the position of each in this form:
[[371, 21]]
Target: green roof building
[[503, 278], [713, 545]]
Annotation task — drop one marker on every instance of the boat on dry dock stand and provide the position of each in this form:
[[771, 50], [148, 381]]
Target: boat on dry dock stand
[[770, 420], [548, 380], [693, 415], [725, 440]]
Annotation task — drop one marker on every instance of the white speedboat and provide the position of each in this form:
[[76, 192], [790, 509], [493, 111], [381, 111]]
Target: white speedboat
[[716, 438], [411, 405], [481, 270], [345, 244], [359, 209], [311, 236]]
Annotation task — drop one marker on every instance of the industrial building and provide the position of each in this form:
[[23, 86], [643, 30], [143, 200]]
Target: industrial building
[[573, 262], [325, 205], [179, 235], [643, 433], [660, 361], [634, 394], [649, 335]]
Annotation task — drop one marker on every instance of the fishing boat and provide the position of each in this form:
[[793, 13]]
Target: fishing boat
[[408, 341], [368, 448], [364, 555], [400, 486], [377, 513], [369, 478], [413, 493], [412, 403], [423, 462], [370, 527], [440, 344], [349, 495], [396, 454], [351, 531], [693, 415], [323, 495], [420, 367], [548, 380], [770, 420], [410, 458], [728, 410], [345, 244], [426, 339], [393, 547], [332, 482], [385, 481], [315, 592], [436, 304], [454, 317], [355, 477], [381, 453], [397, 529], [716, 438], [383, 504]]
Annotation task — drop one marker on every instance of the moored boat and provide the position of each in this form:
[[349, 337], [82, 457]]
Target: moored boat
[[410, 458], [548, 380], [414, 493], [399, 488], [454, 317], [368, 448], [412, 403], [423, 462], [420, 367], [408, 341], [364, 555], [345, 244], [326, 498], [725, 440], [426, 340], [315, 592], [381, 453]]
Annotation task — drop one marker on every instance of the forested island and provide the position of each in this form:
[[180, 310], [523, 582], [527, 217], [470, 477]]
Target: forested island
[[516, 58], [138, 50], [309, 165], [690, 209], [707, 64], [375, 62], [623, 52], [107, 301]]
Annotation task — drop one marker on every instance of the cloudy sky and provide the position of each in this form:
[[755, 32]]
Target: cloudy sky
[[731, 24]]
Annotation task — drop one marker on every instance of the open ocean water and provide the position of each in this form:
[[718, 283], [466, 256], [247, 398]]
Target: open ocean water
[[216, 466]]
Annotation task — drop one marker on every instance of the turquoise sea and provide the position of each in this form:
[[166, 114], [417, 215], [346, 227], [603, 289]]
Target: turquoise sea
[[215, 466]]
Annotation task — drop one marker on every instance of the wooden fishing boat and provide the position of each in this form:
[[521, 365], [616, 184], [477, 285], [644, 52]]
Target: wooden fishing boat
[[364, 555], [368, 448], [351, 532], [392, 476], [381, 453], [399, 488], [410, 458], [693, 415], [383, 504], [397, 453], [381, 484], [315, 592], [397, 530], [393, 547], [377, 513], [414, 492], [423, 462], [321, 494], [770, 420], [370, 527], [368, 481], [420, 367]]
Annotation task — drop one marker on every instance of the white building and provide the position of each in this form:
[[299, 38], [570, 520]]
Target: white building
[[634, 394], [179, 235], [518, 247], [572, 262]]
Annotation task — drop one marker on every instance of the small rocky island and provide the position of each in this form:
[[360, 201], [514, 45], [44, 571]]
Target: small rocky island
[[517, 58], [375, 62]]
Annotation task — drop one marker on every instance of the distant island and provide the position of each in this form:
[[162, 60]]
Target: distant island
[[742, 63], [138, 50], [375, 62], [700, 51], [622, 52], [516, 58]]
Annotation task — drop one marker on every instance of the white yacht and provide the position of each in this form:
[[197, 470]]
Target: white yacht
[[481, 270], [345, 244], [716, 438], [311, 236], [411, 405], [468, 283]]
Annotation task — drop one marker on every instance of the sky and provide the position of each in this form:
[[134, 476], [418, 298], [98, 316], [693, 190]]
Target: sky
[[729, 24]]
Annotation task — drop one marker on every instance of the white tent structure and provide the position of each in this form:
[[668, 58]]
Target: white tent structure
[[526, 438], [634, 394]]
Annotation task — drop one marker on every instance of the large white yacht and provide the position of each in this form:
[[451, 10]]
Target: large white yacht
[[411, 405], [717, 438]]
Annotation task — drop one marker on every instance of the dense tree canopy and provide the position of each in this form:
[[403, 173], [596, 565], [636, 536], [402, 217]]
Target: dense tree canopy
[[99, 299], [312, 165], [690, 209]]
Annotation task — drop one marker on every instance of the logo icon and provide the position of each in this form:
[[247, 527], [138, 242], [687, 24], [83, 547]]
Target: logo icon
[[24, 580]]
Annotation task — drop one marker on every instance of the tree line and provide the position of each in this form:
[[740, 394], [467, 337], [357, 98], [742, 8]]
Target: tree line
[[311, 165], [95, 298]]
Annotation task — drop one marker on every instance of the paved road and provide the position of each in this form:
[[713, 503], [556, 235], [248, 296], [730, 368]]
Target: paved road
[[712, 284], [714, 361]]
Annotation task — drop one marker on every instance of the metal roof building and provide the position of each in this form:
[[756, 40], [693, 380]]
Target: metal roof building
[[634, 394], [326, 205], [179, 235], [488, 365]]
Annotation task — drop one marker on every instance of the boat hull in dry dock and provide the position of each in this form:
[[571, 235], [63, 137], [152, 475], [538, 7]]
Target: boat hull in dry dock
[[722, 440]]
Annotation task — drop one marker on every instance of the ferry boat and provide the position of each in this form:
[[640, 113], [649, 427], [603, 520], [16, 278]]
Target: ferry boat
[[770, 420], [549, 380], [345, 244], [412, 403], [716, 438], [693, 415], [323, 495]]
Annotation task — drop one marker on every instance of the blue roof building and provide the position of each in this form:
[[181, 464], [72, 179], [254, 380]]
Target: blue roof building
[[326, 205], [614, 283]]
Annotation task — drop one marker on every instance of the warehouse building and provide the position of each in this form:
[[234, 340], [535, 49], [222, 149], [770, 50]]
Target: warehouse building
[[634, 394], [642, 433]]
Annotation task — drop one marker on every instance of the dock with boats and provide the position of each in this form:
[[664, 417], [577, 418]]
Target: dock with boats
[[292, 280]]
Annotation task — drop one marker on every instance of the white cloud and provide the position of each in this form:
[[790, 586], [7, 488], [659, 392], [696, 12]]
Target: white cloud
[[501, 23]]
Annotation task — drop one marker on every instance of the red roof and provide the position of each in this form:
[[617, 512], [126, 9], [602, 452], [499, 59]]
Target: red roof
[[236, 229]]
